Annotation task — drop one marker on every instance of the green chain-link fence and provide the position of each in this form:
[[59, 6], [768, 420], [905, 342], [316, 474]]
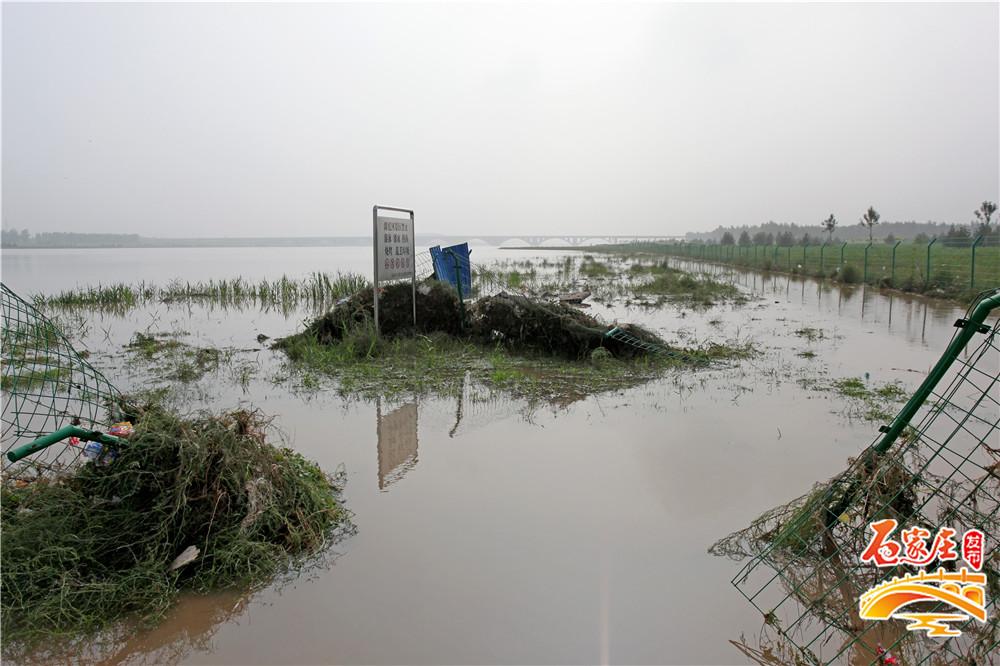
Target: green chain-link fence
[[956, 266]]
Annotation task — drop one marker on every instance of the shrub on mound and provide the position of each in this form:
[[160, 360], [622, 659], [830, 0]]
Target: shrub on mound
[[90, 547]]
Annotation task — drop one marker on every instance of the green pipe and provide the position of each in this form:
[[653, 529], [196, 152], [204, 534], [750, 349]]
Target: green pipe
[[969, 327], [46, 441]]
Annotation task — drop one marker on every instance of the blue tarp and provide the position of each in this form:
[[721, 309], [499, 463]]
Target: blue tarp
[[445, 260]]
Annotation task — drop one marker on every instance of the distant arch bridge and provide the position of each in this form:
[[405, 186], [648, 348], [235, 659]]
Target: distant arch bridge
[[540, 241]]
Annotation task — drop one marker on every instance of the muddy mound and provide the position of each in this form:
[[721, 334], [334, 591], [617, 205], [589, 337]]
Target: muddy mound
[[437, 310], [516, 321]]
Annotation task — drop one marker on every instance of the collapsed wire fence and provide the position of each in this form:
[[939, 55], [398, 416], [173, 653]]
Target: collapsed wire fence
[[46, 385], [937, 465]]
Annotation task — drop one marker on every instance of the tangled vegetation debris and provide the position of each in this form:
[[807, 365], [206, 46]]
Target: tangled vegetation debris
[[511, 320], [95, 545], [522, 346]]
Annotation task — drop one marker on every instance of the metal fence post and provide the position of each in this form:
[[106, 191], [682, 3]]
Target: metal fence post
[[822, 248], [842, 255], [972, 280], [927, 277], [865, 279], [893, 274]]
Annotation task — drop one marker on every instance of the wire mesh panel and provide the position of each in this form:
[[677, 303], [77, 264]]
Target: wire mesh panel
[[942, 472], [46, 385]]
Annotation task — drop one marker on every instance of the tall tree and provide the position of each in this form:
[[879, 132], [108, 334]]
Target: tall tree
[[744, 238], [870, 219], [983, 214], [829, 224]]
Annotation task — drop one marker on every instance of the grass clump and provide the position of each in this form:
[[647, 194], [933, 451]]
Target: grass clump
[[593, 268], [850, 274], [671, 284], [174, 360], [869, 401], [24, 380], [94, 546], [809, 333]]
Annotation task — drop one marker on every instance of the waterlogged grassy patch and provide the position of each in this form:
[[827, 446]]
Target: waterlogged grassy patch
[[809, 333], [592, 268], [870, 401], [671, 284], [31, 379], [441, 364], [169, 359], [318, 290]]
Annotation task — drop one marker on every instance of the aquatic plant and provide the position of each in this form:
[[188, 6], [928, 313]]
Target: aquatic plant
[[318, 290]]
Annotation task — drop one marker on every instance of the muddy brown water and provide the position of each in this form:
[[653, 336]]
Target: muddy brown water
[[521, 533]]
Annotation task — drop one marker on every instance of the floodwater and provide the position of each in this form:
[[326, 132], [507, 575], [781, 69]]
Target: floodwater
[[499, 531]]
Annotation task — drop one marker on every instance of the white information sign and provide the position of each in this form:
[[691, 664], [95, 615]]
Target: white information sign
[[394, 252], [394, 249]]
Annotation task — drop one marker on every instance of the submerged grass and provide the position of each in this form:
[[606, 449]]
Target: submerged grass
[[318, 290], [870, 401], [672, 284], [174, 360], [92, 547], [363, 366], [523, 346]]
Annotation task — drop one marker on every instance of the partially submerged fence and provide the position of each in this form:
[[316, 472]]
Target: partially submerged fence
[[947, 265], [936, 465]]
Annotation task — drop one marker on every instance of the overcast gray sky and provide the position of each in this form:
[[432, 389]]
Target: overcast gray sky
[[261, 120]]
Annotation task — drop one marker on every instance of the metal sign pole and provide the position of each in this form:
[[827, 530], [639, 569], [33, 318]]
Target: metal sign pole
[[413, 266], [375, 263]]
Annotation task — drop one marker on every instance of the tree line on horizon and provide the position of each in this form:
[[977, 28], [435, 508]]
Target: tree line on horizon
[[830, 230]]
